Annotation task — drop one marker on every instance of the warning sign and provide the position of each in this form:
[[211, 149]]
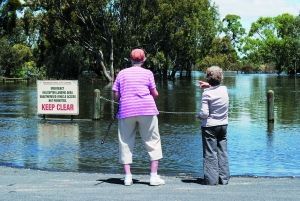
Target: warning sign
[[58, 97]]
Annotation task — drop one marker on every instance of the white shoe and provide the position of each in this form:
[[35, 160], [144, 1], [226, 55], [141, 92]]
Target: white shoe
[[128, 180], [156, 181]]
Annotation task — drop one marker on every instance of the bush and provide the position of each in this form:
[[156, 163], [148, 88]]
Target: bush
[[30, 70]]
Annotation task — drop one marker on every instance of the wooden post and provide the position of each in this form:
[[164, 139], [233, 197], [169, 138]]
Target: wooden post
[[270, 104], [270, 127], [96, 115]]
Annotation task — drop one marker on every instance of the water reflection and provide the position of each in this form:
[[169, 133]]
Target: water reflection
[[255, 147], [58, 145], [270, 128]]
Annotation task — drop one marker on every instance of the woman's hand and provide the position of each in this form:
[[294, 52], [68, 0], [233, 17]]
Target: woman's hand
[[154, 93], [204, 85]]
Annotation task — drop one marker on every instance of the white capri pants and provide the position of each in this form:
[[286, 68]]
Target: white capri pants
[[148, 129]]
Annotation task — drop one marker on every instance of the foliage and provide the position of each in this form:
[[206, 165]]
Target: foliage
[[221, 54], [108, 30], [233, 29], [75, 23], [64, 37], [16, 52], [5, 59], [184, 31], [67, 62], [275, 40], [8, 16], [12, 57], [30, 70]]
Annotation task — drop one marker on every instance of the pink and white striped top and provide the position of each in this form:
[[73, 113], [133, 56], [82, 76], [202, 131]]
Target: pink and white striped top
[[134, 85]]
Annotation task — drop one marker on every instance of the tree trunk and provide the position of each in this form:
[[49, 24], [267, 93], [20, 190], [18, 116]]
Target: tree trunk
[[103, 67], [7, 72], [112, 73], [173, 73], [189, 70], [165, 74]]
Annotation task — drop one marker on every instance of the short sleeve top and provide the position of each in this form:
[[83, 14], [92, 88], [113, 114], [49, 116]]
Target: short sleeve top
[[134, 85]]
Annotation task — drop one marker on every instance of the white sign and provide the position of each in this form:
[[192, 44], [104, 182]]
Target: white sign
[[58, 97]]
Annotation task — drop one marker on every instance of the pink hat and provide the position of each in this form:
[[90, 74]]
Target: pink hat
[[138, 55]]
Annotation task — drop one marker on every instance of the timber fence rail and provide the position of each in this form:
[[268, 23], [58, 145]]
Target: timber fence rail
[[165, 112], [7, 79]]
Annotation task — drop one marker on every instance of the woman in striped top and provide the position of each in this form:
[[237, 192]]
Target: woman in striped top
[[135, 89]]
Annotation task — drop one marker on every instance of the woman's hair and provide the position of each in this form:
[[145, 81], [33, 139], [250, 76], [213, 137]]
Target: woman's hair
[[137, 57], [214, 75]]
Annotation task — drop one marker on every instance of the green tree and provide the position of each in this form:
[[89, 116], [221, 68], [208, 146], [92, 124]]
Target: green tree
[[81, 23], [67, 63], [8, 15], [274, 40], [5, 56], [183, 32], [233, 29], [12, 58], [16, 50], [180, 30], [221, 53]]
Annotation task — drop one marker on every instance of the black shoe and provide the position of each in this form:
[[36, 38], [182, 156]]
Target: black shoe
[[205, 182], [201, 181]]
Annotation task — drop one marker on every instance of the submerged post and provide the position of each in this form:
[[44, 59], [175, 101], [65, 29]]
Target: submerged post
[[96, 115], [270, 104]]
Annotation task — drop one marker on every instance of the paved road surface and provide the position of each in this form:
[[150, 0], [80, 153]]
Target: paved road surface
[[32, 185]]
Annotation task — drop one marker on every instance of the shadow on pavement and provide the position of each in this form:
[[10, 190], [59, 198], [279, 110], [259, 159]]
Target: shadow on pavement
[[119, 181], [194, 180]]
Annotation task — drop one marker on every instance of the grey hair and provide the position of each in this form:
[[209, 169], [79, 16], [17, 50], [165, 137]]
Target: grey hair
[[214, 75]]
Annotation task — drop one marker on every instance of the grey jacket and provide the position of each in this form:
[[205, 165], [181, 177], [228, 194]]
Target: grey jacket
[[214, 108]]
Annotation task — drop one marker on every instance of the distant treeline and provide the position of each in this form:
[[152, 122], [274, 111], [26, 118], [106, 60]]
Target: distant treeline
[[62, 39]]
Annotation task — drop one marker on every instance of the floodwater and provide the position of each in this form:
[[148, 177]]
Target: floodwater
[[255, 148]]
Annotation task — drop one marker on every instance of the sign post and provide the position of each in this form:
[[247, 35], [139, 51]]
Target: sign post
[[57, 97]]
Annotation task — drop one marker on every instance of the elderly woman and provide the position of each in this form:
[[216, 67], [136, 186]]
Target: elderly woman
[[135, 89], [214, 120]]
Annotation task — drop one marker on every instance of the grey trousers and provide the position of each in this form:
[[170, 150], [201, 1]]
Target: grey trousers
[[215, 156]]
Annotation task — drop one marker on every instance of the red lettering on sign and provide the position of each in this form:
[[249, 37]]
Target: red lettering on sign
[[65, 107], [48, 106]]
